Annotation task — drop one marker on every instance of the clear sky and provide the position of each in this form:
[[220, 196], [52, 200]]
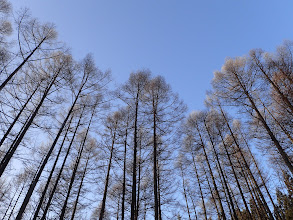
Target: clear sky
[[183, 40]]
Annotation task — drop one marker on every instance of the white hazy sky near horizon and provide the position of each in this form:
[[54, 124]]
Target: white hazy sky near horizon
[[184, 41]]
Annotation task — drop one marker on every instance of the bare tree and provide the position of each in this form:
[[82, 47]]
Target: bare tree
[[237, 83], [165, 111], [132, 94]]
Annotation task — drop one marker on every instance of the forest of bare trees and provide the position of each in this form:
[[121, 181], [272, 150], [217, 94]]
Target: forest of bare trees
[[73, 146]]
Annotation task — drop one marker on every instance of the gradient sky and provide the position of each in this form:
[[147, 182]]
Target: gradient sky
[[185, 41]]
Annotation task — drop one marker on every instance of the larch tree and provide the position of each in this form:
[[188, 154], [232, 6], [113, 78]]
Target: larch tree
[[165, 110], [131, 93], [237, 83]]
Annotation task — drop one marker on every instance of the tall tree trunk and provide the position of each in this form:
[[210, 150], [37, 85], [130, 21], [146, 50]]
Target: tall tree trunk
[[193, 206], [246, 164], [225, 192], [212, 193], [10, 203], [235, 175], [17, 117], [75, 168], [17, 141], [184, 191], [276, 88], [79, 189], [278, 123], [282, 152], [199, 185], [139, 176], [124, 172], [108, 175], [52, 171], [248, 187], [36, 179], [260, 205], [77, 161], [159, 192], [261, 176], [22, 63], [22, 188], [59, 176], [223, 216], [222, 174], [133, 193], [155, 146]]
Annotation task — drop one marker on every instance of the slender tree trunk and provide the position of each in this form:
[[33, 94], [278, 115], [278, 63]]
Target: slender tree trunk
[[17, 141], [139, 176], [77, 161], [225, 193], [223, 216], [155, 165], [35, 181], [10, 203], [10, 150], [260, 205], [17, 117], [193, 206], [222, 174], [282, 152], [75, 168], [79, 189], [124, 172], [184, 191], [20, 66], [118, 207], [159, 191], [212, 193], [246, 164], [52, 171], [248, 187], [276, 88], [235, 175], [133, 194], [261, 176], [58, 177], [108, 176], [278, 123], [233, 196], [16, 202], [200, 190]]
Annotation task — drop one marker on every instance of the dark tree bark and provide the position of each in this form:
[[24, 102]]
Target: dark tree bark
[[155, 146], [36, 179], [21, 65], [79, 189], [59, 175], [108, 174], [75, 167], [52, 170], [222, 173], [212, 193], [247, 166], [17, 117], [133, 201], [211, 172], [235, 175], [17, 141], [124, 171], [200, 189]]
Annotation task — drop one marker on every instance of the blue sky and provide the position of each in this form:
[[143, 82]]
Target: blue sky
[[185, 41]]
